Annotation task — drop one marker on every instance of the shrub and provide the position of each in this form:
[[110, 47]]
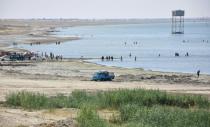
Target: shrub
[[149, 98], [27, 100], [89, 118], [161, 116], [108, 99]]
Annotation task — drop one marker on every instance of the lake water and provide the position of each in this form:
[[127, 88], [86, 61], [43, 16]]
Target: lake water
[[153, 39]]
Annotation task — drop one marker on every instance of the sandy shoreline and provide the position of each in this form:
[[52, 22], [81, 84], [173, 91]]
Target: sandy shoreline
[[52, 77], [28, 32]]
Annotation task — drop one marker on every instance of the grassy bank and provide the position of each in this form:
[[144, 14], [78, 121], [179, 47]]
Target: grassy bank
[[137, 108]]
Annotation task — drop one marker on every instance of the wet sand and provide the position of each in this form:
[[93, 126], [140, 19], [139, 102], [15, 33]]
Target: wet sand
[[52, 77]]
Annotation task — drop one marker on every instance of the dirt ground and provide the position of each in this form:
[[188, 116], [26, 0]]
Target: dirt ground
[[52, 77], [68, 75]]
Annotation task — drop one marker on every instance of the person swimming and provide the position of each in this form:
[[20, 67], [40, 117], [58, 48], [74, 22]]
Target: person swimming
[[187, 54], [130, 55]]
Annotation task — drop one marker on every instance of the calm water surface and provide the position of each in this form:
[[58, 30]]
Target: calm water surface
[[153, 39]]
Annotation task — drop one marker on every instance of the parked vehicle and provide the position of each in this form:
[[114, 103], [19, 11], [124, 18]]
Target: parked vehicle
[[14, 57], [103, 76], [5, 58]]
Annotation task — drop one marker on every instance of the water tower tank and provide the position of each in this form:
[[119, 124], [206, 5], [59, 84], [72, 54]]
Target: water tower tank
[[178, 22]]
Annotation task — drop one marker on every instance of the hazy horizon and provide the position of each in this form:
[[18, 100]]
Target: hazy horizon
[[104, 9]]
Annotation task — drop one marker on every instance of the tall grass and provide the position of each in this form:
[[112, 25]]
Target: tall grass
[[162, 116], [150, 98], [27, 100], [88, 117], [137, 108], [30, 100], [108, 99]]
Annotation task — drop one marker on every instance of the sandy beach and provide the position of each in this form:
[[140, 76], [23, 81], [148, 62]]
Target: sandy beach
[[53, 77]]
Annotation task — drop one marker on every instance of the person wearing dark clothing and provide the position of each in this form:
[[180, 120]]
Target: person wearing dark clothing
[[112, 58], [130, 55], [187, 54], [102, 58], [135, 58], [107, 57], [176, 54], [121, 58], [51, 56], [198, 73]]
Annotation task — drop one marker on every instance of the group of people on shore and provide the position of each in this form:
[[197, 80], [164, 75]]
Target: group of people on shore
[[111, 58], [57, 57], [36, 43], [107, 58], [51, 56]]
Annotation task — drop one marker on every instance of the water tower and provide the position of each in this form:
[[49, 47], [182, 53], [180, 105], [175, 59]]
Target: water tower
[[177, 22]]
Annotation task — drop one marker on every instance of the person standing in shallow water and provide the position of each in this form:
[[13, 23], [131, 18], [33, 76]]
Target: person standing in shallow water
[[112, 58], [130, 55], [198, 73], [102, 58]]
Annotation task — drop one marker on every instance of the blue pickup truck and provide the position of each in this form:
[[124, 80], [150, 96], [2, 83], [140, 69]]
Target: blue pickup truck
[[103, 76]]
